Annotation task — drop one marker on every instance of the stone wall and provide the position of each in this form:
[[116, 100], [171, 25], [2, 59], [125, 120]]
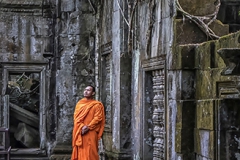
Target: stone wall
[[156, 72], [199, 103], [60, 36]]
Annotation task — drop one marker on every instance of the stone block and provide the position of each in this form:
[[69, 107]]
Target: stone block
[[184, 144], [187, 32], [204, 143], [219, 28], [179, 156], [185, 123], [107, 139], [184, 140], [199, 157], [178, 140], [188, 85], [205, 56], [67, 5], [205, 114], [27, 136], [204, 84], [184, 57], [229, 41], [199, 8], [174, 85], [61, 157], [185, 114], [62, 149]]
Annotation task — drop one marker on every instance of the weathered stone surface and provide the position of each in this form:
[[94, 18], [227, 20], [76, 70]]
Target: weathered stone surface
[[199, 157], [231, 59], [60, 157], [188, 85], [205, 114], [204, 84], [184, 57], [71, 38], [199, 8], [204, 143], [203, 56], [25, 116], [107, 138], [185, 114], [185, 123], [219, 28], [184, 143], [187, 32], [228, 14], [27, 135], [61, 152], [178, 140]]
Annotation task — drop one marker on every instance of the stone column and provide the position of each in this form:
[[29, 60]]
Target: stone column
[[117, 137]]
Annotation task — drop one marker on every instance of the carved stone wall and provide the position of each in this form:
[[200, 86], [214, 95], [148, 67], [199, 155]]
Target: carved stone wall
[[159, 114], [59, 35], [106, 89], [159, 107], [215, 92]]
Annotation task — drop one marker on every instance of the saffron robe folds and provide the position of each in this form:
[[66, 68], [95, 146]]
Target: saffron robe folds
[[90, 113]]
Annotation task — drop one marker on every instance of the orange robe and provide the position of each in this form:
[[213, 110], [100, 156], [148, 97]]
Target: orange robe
[[90, 113]]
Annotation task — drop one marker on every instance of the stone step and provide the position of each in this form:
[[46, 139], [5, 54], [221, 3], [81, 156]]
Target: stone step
[[27, 158]]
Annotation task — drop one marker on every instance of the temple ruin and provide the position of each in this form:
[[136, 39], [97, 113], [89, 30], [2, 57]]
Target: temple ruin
[[166, 71]]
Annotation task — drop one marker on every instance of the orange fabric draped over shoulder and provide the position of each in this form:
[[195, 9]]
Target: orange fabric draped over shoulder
[[90, 113]]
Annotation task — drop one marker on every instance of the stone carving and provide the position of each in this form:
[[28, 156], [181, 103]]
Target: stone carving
[[157, 66], [21, 6], [106, 51], [231, 58], [229, 89], [106, 48], [108, 105], [158, 115]]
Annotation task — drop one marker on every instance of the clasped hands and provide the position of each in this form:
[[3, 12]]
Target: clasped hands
[[85, 129]]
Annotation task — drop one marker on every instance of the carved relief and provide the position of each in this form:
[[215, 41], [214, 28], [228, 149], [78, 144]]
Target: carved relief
[[158, 115], [106, 51], [229, 89], [227, 119], [108, 104], [157, 67], [31, 7]]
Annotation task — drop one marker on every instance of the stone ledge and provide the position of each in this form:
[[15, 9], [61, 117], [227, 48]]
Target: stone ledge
[[60, 157]]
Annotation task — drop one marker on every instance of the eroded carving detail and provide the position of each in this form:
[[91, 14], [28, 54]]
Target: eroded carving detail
[[158, 115], [108, 92]]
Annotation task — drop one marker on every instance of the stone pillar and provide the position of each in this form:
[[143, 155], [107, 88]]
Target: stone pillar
[[75, 70], [117, 137]]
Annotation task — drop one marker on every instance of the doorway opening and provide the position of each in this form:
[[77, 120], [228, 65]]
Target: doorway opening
[[24, 95], [229, 133], [23, 108]]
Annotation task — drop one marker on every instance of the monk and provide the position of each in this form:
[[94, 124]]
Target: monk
[[89, 121]]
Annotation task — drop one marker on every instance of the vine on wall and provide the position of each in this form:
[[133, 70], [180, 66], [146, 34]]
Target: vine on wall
[[202, 22]]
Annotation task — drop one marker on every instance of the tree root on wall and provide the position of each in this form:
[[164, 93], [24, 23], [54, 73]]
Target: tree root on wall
[[202, 22]]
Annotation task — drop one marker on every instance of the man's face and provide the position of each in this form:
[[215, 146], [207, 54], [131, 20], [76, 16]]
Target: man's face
[[88, 92]]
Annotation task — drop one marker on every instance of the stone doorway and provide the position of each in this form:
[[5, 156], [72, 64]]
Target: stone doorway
[[229, 133], [23, 91], [23, 108]]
